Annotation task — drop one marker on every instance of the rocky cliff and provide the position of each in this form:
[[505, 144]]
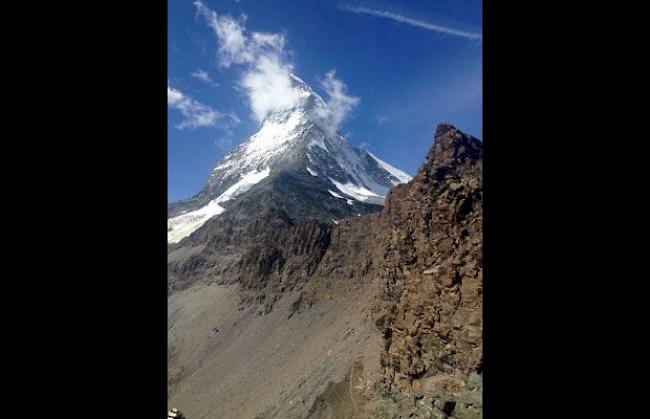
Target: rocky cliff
[[430, 309]]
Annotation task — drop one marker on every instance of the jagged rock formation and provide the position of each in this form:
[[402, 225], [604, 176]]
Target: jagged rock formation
[[431, 306], [385, 305]]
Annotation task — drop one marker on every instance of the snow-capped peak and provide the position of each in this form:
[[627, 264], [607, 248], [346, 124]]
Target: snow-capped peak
[[291, 140]]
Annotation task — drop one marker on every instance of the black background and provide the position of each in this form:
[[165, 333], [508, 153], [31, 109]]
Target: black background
[[85, 273]]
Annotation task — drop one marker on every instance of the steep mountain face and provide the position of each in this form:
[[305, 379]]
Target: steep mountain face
[[296, 155], [274, 315]]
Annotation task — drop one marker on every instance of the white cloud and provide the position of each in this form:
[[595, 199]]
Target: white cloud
[[225, 142], [364, 145], [204, 77], [235, 47], [233, 117], [410, 21], [266, 79], [269, 87], [382, 119], [273, 41], [232, 43], [339, 104], [197, 114]]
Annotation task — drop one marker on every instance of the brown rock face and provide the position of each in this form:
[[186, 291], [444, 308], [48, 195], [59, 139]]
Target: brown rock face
[[263, 252], [430, 310]]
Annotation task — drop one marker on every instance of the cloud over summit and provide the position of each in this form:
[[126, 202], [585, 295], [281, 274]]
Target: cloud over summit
[[267, 69], [340, 104]]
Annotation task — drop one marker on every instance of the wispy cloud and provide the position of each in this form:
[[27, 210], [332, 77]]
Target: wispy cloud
[[410, 21], [225, 142], [382, 119], [204, 77], [339, 103], [267, 76], [196, 114]]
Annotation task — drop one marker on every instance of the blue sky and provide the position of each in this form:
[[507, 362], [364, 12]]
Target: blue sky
[[412, 64]]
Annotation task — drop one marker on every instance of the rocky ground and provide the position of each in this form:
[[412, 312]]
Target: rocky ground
[[379, 316]]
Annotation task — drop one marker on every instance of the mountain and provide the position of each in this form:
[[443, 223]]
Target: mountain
[[297, 155], [379, 316]]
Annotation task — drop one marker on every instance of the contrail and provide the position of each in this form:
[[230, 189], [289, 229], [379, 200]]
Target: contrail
[[410, 21]]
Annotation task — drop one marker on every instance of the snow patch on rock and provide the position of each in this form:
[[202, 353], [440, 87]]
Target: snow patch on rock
[[187, 223]]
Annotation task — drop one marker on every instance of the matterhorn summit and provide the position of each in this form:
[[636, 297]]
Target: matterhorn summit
[[297, 164]]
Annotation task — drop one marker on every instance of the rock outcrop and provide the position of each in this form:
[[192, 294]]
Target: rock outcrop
[[430, 310]]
